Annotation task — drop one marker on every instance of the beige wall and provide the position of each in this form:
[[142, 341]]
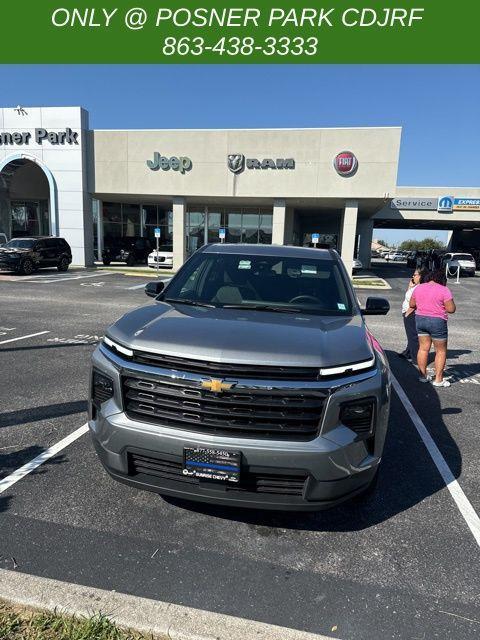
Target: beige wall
[[118, 162]]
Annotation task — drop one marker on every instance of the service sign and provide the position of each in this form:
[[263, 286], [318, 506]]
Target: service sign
[[415, 204], [466, 204]]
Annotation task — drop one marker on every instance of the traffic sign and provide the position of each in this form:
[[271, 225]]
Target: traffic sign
[[157, 232]]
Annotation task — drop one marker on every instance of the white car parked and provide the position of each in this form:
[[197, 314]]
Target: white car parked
[[464, 261], [164, 258], [395, 256]]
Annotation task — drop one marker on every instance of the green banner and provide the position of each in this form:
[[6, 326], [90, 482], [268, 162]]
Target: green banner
[[245, 31]]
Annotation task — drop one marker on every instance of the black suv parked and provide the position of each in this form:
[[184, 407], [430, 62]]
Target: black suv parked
[[25, 255], [129, 250]]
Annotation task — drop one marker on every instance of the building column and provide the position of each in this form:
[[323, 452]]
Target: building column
[[179, 239], [365, 231], [278, 222], [349, 228], [99, 206]]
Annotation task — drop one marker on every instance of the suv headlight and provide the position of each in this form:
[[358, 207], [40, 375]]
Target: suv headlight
[[102, 388], [114, 346], [358, 415]]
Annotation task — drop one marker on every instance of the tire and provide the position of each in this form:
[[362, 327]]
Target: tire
[[131, 261], [63, 264], [106, 261], [27, 267]]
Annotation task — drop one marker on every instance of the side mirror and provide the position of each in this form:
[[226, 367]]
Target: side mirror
[[376, 307], [152, 289]]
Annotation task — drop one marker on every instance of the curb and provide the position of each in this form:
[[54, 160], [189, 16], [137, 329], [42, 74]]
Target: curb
[[162, 619], [152, 273]]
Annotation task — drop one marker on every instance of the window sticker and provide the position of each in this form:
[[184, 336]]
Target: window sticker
[[341, 306], [245, 264], [309, 268]]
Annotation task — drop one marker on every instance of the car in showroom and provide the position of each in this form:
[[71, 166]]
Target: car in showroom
[[26, 255], [464, 262], [129, 249], [163, 259], [357, 265], [252, 381]]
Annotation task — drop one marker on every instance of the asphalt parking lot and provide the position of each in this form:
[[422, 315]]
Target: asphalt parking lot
[[404, 564]]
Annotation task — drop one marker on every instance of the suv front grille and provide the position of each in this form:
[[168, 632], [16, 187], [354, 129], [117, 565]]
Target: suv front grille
[[170, 469], [226, 370], [294, 416]]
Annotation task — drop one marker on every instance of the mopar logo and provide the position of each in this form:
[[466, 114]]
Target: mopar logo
[[445, 203]]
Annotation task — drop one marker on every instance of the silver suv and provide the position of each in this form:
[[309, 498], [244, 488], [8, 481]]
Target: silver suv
[[251, 381]]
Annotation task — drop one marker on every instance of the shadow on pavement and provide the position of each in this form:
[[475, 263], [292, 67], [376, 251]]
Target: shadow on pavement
[[62, 345], [407, 476], [36, 414], [10, 462]]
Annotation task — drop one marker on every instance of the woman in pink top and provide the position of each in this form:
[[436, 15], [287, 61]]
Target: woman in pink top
[[432, 301]]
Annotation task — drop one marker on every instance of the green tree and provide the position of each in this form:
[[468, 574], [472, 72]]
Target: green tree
[[421, 245]]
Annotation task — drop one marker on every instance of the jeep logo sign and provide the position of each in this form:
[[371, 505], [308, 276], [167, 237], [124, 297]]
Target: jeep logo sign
[[181, 163], [346, 164]]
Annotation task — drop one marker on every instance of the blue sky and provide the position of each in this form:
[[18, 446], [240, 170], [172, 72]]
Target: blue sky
[[438, 106]]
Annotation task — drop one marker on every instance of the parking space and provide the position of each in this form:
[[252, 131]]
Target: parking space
[[402, 564]]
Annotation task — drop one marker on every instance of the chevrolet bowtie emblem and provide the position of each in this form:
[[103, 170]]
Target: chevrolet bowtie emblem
[[217, 386]]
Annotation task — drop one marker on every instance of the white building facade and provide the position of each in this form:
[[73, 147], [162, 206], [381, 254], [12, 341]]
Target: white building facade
[[288, 186]]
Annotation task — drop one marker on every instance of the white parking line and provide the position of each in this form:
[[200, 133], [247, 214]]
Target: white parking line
[[31, 335], [463, 504], [137, 286], [27, 468], [65, 278]]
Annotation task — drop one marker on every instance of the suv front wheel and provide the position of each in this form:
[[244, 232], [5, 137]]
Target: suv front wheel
[[27, 267], [63, 264]]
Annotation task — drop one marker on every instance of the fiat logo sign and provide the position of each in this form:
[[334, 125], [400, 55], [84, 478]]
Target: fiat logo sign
[[346, 164]]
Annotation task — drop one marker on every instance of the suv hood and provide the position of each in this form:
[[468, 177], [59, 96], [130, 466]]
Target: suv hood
[[244, 336], [12, 250]]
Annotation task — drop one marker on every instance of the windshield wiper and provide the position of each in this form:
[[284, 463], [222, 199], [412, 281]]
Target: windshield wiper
[[193, 303], [264, 307]]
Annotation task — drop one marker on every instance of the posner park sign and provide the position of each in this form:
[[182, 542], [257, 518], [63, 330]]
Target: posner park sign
[[40, 135]]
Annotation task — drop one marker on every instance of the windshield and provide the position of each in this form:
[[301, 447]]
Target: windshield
[[262, 282], [462, 256], [20, 244]]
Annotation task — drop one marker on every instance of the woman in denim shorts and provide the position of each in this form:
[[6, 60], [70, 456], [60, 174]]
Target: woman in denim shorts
[[432, 301]]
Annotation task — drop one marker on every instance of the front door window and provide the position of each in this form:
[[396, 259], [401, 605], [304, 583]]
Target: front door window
[[29, 218]]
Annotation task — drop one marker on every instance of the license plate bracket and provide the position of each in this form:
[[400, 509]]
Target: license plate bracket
[[218, 465]]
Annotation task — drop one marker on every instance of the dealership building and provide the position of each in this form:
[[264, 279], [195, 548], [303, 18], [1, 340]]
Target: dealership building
[[283, 186]]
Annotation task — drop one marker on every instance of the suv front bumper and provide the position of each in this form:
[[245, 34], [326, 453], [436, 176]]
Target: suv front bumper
[[299, 475]]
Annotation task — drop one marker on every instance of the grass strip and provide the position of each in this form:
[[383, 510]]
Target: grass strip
[[22, 624]]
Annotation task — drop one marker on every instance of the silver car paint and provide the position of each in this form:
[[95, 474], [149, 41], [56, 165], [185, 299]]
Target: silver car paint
[[339, 464]]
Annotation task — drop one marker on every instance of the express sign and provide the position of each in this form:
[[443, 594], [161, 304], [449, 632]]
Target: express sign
[[346, 164]]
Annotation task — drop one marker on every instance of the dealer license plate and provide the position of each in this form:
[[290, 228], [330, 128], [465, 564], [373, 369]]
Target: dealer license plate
[[212, 464]]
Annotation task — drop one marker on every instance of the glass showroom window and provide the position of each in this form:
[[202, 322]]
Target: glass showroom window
[[252, 225], [157, 216], [112, 220]]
